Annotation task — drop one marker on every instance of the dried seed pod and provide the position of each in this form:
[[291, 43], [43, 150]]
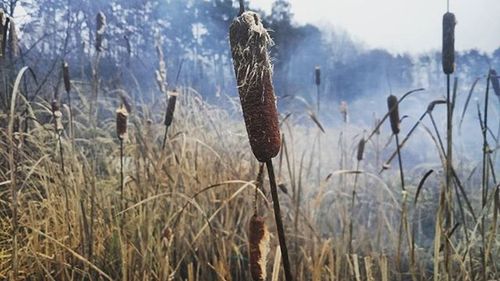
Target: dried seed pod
[[13, 39], [67, 82], [249, 42], [317, 72], [259, 247], [392, 105], [57, 115], [494, 82], [100, 29], [361, 149], [121, 122], [172, 100], [448, 52]]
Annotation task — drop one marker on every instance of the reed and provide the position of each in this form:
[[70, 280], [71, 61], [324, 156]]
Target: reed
[[169, 115], [249, 42]]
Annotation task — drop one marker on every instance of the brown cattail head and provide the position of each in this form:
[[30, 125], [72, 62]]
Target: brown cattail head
[[317, 72], [344, 110], [494, 82], [361, 149], [249, 42], [448, 52], [67, 82], [259, 247], [392, 105], [172, 100], [121, 122], [100, 29], [13, 39]]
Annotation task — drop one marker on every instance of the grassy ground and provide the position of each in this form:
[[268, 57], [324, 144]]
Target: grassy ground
[[185, 209]]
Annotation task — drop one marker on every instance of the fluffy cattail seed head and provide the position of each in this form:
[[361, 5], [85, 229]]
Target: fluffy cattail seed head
[[361, 149], [448, 52], [172, 100], [259, 247], [67, 82], [494, 82], [100, 29], [249, 46], [392, 105], [121, 122], [317, 72]]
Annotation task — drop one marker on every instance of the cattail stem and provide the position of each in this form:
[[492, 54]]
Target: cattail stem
[[121, 172], [485, 174], [449, 143], [61, 152], [279, 222], [164, 138]]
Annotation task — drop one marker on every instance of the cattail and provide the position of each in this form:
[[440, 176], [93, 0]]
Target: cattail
[[343, 110], [100, 29], [448, 53], [67, 82], [494, 82], [317, 72], [13, 39], [259, 247], [249, 42], [361, 149], [392, 104], [121, 122], [57, 115], [169, 116]]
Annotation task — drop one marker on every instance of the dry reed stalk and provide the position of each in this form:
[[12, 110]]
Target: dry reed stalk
[[448, 51], [249, 42], [448, 61], [121, 131], [258, 237], [393, 107], [67, 87], [100, 29], [169, 115]]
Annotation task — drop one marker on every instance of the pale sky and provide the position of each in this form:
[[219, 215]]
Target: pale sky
[[403, 25]]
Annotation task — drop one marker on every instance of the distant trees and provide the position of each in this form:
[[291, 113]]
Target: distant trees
[[193, 33]]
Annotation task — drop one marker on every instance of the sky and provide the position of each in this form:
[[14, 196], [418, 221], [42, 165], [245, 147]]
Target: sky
[[403, 26]]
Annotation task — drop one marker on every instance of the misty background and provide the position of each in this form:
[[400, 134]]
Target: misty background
[[193, 36]]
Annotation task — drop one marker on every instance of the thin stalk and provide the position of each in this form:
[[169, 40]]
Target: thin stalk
[[121, 173], [279, 222], [403, 209], [164, 138], [71, 123], [448, 201], [485, 174], [353, 200]]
